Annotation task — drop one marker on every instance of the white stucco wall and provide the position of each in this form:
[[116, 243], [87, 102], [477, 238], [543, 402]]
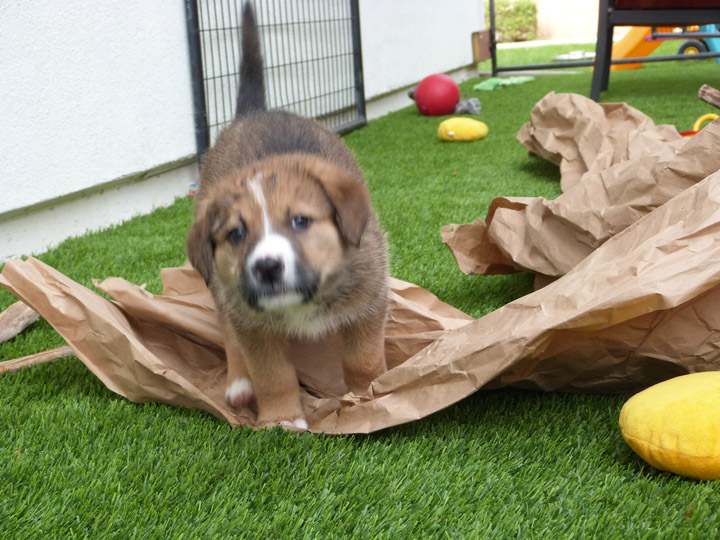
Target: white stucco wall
[[403, 41], [91, 91]]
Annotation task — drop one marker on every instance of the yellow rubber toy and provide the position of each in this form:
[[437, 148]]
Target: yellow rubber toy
[[675, 425], [462, 129]]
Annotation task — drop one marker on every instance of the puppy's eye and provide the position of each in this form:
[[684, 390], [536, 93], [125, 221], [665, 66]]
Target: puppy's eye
[[236, 235], [300, 222]]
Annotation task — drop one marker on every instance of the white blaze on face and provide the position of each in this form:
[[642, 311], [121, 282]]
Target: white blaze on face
[[256, 188], [273, 246]]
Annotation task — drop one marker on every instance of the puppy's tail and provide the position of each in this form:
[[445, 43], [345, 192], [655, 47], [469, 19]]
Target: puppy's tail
[[251, 94]]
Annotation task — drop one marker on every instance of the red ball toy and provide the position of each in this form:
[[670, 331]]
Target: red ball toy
[[437, 95]]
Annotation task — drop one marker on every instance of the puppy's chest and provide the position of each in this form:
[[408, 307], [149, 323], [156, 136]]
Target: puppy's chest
[[304, 321]]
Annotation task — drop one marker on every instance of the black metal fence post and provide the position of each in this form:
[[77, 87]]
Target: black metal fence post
[[493, 41], [202, 133], [358, 66]]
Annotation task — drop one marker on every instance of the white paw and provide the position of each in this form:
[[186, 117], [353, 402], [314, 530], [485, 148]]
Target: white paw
[[240, 392], [299, 423]]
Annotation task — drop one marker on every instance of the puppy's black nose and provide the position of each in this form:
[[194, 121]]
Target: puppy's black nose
[[268, 271]]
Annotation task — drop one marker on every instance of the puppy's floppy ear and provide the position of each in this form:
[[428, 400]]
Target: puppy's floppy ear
[[199, 245], [349, 196]]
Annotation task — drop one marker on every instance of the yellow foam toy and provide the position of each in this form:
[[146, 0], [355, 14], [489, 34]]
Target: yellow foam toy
[[462, 129], [675, 425]]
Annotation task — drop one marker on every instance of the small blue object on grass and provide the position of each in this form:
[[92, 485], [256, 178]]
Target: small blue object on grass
[[713, 43]]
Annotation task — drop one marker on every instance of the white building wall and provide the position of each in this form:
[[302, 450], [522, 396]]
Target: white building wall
[[556, 21], [91, 91], [403, 41]]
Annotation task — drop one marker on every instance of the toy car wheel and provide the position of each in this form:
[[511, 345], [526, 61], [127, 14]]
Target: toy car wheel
[[692, 46]]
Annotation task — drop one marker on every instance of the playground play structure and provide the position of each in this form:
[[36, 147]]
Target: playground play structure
[[643, 40], [634, 13]]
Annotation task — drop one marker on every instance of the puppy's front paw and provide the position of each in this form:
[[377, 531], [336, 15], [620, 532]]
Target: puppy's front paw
[[240, 392], [299, 424]]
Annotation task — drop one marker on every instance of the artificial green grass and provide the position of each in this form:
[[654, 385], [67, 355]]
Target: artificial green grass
[[77, 461]]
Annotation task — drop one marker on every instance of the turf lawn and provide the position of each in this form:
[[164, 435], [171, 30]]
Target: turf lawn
[[77, 461]]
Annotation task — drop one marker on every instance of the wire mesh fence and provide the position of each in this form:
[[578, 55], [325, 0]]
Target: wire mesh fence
[[313, 62]]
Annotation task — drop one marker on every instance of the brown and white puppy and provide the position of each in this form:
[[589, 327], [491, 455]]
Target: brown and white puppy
[[287, 241]]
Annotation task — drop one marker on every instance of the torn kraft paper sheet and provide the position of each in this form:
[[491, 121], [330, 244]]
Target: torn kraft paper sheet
[[640, 309]]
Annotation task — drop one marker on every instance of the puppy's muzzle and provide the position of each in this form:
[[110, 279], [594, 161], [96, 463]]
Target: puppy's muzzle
[[275, 277], [269, 271]]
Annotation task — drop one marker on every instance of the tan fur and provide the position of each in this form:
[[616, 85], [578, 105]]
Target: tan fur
[[344, 247]]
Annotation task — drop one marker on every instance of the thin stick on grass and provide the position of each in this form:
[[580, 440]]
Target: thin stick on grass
[[39, 358], [709, 95], [15, 319]]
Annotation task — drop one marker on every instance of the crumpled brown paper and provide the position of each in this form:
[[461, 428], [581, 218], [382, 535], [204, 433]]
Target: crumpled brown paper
[[581, 135], [616, 167], [168, 348], [638, 309]]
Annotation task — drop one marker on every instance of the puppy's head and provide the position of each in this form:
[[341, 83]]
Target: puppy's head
[[273, 232]]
